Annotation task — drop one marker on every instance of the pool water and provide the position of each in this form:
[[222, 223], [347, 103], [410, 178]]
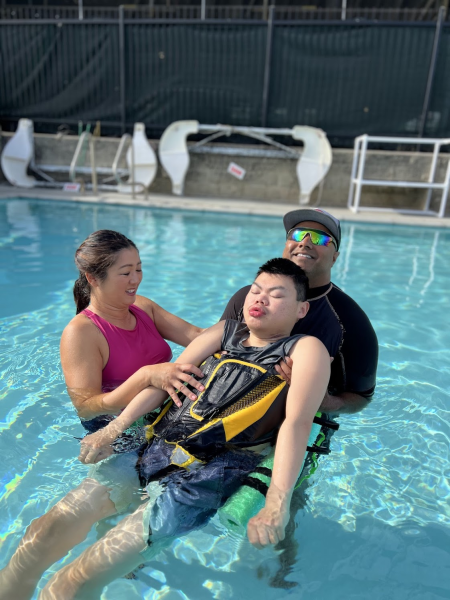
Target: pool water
[[376, 520]]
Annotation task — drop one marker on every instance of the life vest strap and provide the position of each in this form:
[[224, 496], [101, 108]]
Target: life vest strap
[[318, 449], [326, 423], [257, 485], [263, 471]]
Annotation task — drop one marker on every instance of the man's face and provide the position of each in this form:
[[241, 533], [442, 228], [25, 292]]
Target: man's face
[[316, 261], [271, 306]]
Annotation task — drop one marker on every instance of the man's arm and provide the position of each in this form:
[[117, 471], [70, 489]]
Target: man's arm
[[360, 372], [93, 445], [354, 369], [310, 375], [346, 402]]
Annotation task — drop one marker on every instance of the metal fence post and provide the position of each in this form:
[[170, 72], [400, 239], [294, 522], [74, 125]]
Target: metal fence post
[[203, 10], [123, 110], [267, 65], [431, 72]]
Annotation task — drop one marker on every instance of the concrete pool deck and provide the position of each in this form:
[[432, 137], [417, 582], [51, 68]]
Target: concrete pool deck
[[219, 205]]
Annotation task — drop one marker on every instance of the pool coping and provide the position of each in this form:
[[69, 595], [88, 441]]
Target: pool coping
[[221, 205]]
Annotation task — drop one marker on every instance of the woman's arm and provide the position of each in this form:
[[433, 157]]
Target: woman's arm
[[84, 353], [203, 346], [310, 376], [170, 326]]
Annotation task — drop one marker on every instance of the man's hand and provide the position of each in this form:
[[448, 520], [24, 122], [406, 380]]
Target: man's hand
[[171, 377], [97, 446], [268, 526], [284, 369]]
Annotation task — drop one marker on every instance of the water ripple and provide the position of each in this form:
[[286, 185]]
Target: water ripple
[[376, 510]]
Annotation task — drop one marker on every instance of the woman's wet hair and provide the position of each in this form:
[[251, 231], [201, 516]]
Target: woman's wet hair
[[95, 256], [283, 266]]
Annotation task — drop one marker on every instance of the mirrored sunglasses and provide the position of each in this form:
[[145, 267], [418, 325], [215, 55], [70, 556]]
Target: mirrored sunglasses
[[318, 238]]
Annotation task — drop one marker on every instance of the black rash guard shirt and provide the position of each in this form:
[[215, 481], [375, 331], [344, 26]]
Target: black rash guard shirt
[[345, 330]]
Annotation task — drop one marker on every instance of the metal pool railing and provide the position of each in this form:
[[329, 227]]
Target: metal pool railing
[[357, 180]]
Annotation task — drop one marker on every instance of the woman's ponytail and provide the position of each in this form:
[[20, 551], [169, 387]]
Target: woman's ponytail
[[81, 293]]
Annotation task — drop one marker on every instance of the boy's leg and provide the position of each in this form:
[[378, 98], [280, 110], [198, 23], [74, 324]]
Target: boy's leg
[[50, 537]]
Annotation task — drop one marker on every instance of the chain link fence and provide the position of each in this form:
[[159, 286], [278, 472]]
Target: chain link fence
[[345, 77]]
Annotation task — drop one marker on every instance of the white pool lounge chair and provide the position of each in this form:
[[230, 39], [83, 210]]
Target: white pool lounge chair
[[315, 161], [174, 154], [145, 162], [312, 164], [18, 154]]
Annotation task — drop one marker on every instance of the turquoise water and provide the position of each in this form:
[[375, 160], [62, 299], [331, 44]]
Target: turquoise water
[[376, 524]]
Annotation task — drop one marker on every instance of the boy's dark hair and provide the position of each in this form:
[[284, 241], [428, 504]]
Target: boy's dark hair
[[283, 266]]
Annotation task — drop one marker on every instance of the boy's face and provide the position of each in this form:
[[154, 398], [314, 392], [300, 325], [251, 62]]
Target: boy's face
[[271, 306]]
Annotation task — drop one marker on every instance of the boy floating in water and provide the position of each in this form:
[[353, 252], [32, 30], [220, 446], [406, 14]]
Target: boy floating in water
[[199, 451]]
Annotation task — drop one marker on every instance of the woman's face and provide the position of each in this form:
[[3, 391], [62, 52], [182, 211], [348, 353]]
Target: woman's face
[[122, 280]]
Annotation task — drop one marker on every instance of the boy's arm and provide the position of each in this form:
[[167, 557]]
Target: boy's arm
[[92, 446], [310, 376]]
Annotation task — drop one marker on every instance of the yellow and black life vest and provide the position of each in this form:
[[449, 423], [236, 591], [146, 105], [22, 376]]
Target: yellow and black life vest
[[243, 404]]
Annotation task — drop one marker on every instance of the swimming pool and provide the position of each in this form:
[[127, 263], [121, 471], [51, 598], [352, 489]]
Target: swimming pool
[[376, 521]]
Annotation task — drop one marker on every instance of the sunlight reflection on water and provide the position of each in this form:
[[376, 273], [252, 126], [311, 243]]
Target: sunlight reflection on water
[[377, 509]]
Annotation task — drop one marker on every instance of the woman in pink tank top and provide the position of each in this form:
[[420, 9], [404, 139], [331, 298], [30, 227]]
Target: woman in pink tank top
[[115, 346]]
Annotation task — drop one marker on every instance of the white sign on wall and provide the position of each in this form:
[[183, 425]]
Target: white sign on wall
[[71, 187], [236, 171]]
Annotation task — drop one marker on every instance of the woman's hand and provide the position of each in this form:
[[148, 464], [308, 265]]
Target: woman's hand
[[97, 446], [171, 377]]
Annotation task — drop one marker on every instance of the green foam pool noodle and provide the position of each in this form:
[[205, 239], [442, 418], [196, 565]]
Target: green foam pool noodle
[[247, 501]]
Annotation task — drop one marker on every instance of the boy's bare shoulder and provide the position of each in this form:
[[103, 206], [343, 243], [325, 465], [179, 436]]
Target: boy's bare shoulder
[[307, 343]]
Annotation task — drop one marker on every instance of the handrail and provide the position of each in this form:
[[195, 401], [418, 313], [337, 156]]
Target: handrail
[[357, 179], [86, 135], [93, 163], [257, 133], [76, 156], [126, 137], [115, 166]]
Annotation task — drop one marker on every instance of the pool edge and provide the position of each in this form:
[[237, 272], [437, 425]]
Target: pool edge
[[217, 205]]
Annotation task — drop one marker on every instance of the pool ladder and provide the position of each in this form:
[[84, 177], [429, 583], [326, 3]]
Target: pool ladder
[[86, 138]]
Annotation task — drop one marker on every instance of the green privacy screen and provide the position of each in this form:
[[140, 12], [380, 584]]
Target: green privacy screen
[[347, 79]]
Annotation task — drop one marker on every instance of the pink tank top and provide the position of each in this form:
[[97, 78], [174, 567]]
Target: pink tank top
[[130, 350]]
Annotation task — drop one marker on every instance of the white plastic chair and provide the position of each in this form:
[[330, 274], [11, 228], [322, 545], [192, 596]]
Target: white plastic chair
[[315, 160], [174, 154], [145, 162], [18, 154]]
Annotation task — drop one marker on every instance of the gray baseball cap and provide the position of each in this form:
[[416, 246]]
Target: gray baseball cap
[[318, 215]]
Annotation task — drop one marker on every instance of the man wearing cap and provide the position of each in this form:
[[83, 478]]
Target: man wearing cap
[[313, 239]]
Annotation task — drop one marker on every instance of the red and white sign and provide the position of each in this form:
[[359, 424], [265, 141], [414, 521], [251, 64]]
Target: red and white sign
[[71, 187], [236, 171]]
